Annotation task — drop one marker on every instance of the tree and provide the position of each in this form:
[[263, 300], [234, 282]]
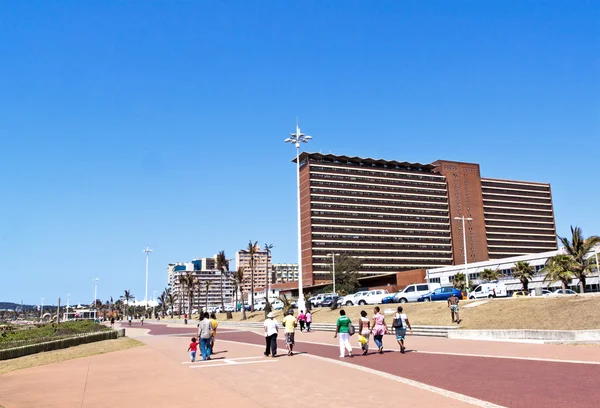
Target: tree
[[489, 275], [126, 297], [577, 248], [189, 283], [346, 279], [523, 272], [181, 284], [252, 250], [460, 281], [559, 268], [171, 300], [268, 248], [222, 265], [162, 300], [239, 278]]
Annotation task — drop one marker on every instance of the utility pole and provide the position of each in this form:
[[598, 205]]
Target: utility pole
[[147, 251], [95, 280], [58, 312]]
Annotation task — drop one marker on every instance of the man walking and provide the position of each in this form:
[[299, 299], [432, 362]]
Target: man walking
[[205, 334], [453, 305], [289, 322], [271, 328], [301, 320]]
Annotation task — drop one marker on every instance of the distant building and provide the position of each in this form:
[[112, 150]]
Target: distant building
[[285, 272], [262, 268], [204, 269]]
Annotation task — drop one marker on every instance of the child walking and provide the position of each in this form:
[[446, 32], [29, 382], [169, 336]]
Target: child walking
[[192, 349]]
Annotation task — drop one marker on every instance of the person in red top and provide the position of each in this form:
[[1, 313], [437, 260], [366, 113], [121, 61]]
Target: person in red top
[[301, 320], [192, 349]]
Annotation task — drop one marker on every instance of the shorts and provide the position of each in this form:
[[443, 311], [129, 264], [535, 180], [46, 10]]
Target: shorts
[[454, 308], [289, 338], [400, 333]]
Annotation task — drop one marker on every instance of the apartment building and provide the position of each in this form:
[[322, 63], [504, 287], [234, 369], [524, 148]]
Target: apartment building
[[285, 272], [262, 268]]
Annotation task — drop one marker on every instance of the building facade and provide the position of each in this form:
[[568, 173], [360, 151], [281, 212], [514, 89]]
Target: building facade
[[399, 216], [262, 268], [285, 272]]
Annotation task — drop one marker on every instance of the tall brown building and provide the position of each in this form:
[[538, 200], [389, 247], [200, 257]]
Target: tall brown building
[[400, 216]]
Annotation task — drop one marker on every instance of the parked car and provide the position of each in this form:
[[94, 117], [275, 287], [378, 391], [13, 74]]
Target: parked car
[[259, 305], [545, 292], [388, 299], [440, 294], [316, 301], [489, 290], [350, 300], [372, 297], [413, 292], [277, 305], [229, 309], [328, 300], [559, 292], [520, 293]]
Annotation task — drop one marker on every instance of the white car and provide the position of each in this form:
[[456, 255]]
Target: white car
[[559, 292], [350, 300], [260, 305], [413, 292], [489, 290], [545, 292], [372, 297], [277, 305]]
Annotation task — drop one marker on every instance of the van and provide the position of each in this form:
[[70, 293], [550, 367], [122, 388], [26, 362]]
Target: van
[[489, 290], [413, 292]]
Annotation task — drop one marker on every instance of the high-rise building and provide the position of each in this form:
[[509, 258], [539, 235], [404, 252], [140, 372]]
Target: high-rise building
[[285, 272], [262, 267], [400, 216]]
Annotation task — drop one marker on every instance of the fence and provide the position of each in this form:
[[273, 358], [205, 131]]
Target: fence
[[56, 344]]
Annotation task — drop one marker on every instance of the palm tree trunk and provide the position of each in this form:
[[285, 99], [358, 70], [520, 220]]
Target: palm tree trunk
[[243, 306], [222, 300], [525, 283], [582, 283]]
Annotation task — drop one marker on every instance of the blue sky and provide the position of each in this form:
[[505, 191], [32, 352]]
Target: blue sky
[[126, 124]]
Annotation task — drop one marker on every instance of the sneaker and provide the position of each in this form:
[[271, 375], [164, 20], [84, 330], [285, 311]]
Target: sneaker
[[342, 356]]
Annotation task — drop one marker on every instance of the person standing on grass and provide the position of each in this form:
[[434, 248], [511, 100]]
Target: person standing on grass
[[290, 324], [308, 317], [364, 328], [301, 320], [400, 324], [379, 329], [453, 305], [271, 329], [112, 322], [205, 334], [214, 323], [342, 328], [192, 349]]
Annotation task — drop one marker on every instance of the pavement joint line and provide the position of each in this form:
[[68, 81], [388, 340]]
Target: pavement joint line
[[230, 359], [230, 363], [445, 393]]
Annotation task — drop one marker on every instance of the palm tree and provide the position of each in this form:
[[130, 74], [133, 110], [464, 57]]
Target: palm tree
[[239, 279], [252, 250], [222, 265], [189, 283], [559, 268], [577, 248], [126, 298], [460, 281], [170, 300], [268, 248], [181, 284], [523, 272], [162, 299], [489, 275]]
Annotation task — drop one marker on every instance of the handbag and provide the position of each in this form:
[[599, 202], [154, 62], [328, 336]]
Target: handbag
[[398, 323], [351, 330]]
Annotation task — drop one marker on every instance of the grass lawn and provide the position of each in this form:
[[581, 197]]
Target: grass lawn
[[84, 350], [559, 313], [22, 335]]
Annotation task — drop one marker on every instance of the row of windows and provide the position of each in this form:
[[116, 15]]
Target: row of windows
[[517, 223], [378, 210], [382, 188], [383, 203], [421, 236], [513, 199], [381, 223], [388, 256], [387, 182], [377, 173], [499, 217], [394, 197], [351, 245], [494, 203], [378, 217], [536, 243], [511, 193], [383, 231], [489, 183]]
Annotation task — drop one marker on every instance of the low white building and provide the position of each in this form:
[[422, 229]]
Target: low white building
[[445, 276]]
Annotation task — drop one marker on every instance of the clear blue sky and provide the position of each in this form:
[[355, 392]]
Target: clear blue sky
[[126, 124]]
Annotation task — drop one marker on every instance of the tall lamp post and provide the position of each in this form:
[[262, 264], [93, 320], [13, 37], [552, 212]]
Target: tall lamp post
[[147, 251], [296, 139], [465, 244], [597, 265], [42, 310], [332, 255], [68, 300], [95, 280]]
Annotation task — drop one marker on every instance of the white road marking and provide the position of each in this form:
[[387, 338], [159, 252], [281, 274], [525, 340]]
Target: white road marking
[[229, 363], [231, 359], [550, 360]]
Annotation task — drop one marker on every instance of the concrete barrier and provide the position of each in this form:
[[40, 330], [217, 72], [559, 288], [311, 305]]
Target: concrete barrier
[[545, 336]]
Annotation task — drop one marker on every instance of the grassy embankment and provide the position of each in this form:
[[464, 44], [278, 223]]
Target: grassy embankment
[[12, 336]]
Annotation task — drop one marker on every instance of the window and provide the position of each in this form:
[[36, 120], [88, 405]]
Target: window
[[409, 289], [422, 288], [434, 280]]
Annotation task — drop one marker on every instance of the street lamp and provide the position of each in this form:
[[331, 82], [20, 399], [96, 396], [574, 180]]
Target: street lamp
[[95, 280], [42, 310], [147, 251], [332, 255], [68, 300], [296, 139], [597, 265], [465, 245]]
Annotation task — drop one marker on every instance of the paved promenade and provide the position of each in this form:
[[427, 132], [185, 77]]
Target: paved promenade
[[434, 372]]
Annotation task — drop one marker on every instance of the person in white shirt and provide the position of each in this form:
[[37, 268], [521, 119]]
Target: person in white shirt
[[271, 328], [400, 324]]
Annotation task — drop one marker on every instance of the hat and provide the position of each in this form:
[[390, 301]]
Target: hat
[[291, 311], [271, 315]]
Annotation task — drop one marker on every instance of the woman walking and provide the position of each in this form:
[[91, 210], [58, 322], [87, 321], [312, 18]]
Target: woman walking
[[271, 328], [364, 328], [379, 328], [342, 328], [400, 324]]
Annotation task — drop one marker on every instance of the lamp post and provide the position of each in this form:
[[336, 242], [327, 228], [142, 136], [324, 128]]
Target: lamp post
[[147, 251], [465, 245], [68, 300], [95, 280], [296, 139], [42, 310], [332, 255]]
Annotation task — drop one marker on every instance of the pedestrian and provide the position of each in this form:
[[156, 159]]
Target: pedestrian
[[214, 323], [129, 319], [342, 328], [271, 329], [400, 324], [192, 349], [364, 328], [142, 320], [379, 329], [453, 305], [185, 318], [205, 333], [301, 320], [290, 323], [112, 322], [308, 317]]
